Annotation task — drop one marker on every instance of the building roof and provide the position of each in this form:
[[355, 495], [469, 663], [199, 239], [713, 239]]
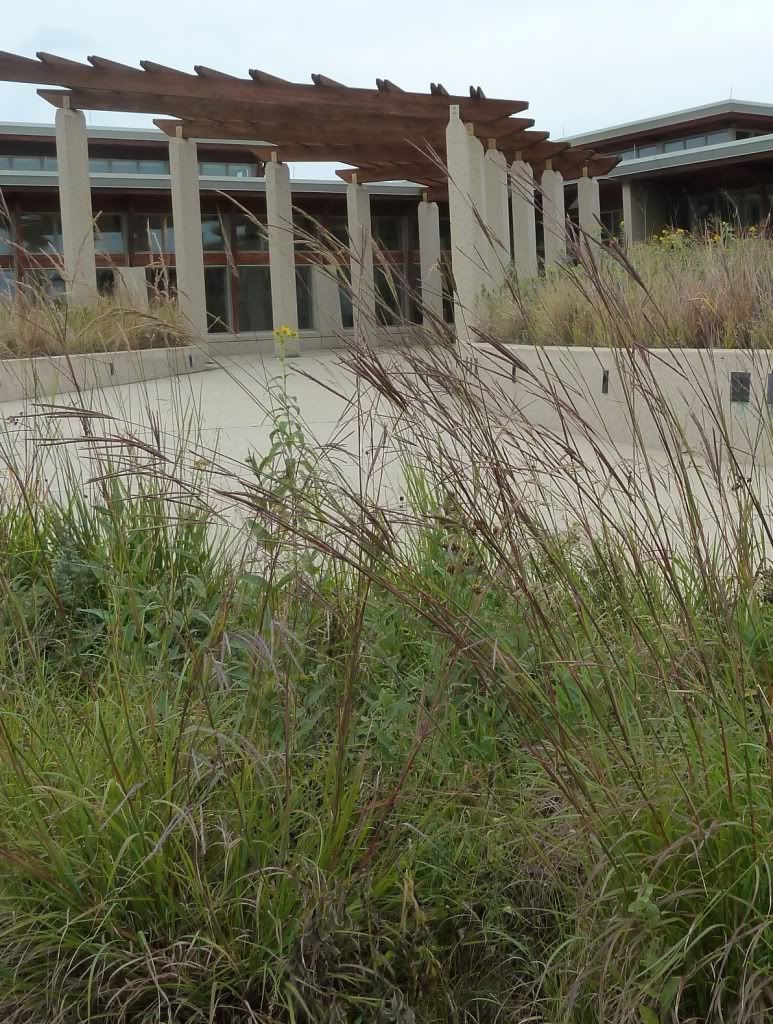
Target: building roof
[[723, 109]]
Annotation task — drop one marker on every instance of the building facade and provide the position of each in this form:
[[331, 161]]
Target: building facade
[[690, 169], [132, 207]]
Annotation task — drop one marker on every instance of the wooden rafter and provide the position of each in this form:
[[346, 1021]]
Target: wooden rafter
[[382, 131]]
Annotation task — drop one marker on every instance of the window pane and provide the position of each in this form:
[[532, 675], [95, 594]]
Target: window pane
[[105, 281], [628, 154], [740, 386], [109, 234], [241, 170], [255, 299], [250, 234], [388, 288], [97, 165], [27, 163], [303, 286], [6, 246], [218, 306], [213, 170], [40, 232], [388, 232], [123, 167], [715, 138], [48, 282], [5, 162], [212, 234], [673, 145], [162, 282], [153, 167], [50, 163], [152, 232], [649, 150], [695, 141], [7, 284]]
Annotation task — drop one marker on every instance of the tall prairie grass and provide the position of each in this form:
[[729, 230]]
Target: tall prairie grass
[[680, 290], [302, 738]]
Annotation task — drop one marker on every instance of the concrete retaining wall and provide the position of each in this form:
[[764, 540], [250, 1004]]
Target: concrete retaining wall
[[614, 393], [47, 376]]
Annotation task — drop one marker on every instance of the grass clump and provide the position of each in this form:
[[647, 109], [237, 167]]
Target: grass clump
[[280, 743], [677, 290]]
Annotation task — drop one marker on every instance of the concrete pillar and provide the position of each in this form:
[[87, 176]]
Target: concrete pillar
[[553, 217], [72, 154], [589, 205], [361, 250], [524, 220], [131, 287], [429, 257], [281, 247], [326, 302], [189, 251], [497, 215], [469, 259], [644, 211]]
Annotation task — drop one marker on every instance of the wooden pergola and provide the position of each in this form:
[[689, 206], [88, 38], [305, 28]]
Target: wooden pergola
[[385, 134]]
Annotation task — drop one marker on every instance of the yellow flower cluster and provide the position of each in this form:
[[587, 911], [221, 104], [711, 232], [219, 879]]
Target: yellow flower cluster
[[285, 332]]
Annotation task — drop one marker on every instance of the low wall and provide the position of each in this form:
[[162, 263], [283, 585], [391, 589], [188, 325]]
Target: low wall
[[614, 392], [47, 376]]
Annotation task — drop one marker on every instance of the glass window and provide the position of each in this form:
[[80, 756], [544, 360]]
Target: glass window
[[715, 138], [50, 163], [303, 288], [213, 170], [388, 233], [673, 145], [649, 150], [769, 393], [388, 289], [334, 229], [695, 141], [6, 236], [7, 284], [162, 282], [213, 234], [108, 236], [5, 162], [255, 299], [48, 282], [153, 232], [124, 167], [218, 304], [105, 281], [98, 165], [153, 167], [740, 386], [27, 163], [628, 154], [250, 233], [241, 170], [41, 232]]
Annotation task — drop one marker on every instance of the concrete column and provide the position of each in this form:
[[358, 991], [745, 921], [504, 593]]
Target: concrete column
[[589, 205], [497, 215], [429, 257], [361, 250], [131, 287], [644, 211], [189, 251], [281, 246], [464, 157], [524, 220], [553, 217], [72, 154], [326, 302]]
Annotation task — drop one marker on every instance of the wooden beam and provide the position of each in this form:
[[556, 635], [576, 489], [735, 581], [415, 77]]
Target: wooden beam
[[326, 83], [54, 72], [58, 62], [265, 78], [204, 72], [384, 85], [152, 68], [103, 62]]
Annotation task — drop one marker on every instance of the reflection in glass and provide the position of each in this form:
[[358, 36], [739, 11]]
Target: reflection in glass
[[218, 305], [255, 299]]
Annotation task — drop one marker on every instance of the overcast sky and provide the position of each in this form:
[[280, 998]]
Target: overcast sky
[[581, 64]]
